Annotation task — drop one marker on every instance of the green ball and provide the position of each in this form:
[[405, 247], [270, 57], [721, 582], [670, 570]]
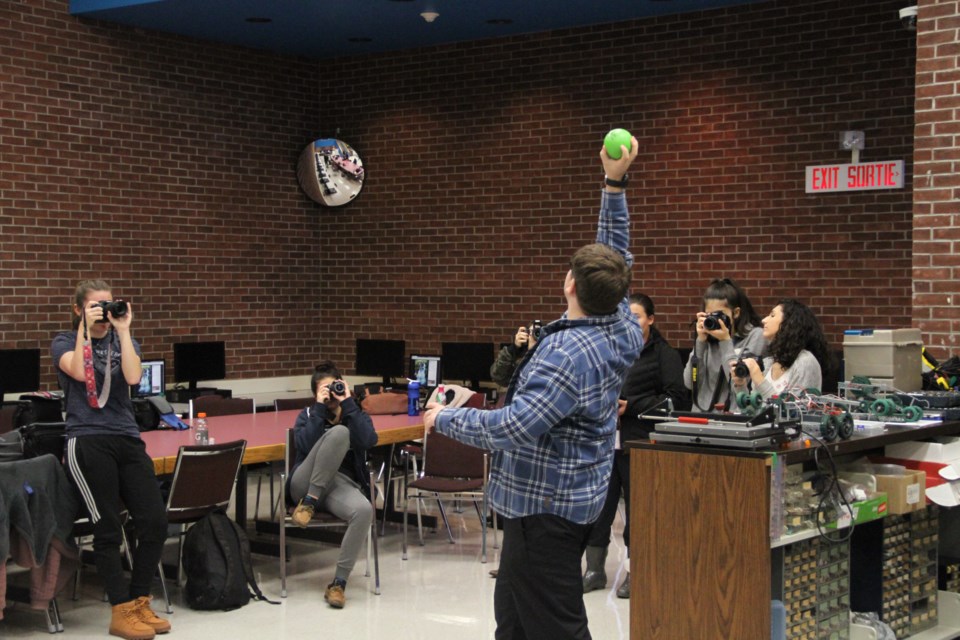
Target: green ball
[[614, 140]]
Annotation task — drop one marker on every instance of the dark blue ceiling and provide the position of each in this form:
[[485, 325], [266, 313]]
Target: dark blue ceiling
[[332, 28]]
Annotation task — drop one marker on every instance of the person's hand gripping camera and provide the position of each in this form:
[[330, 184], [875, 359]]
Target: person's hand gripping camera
[[747, 368], [337, 391], [715, 325], [116, 313]]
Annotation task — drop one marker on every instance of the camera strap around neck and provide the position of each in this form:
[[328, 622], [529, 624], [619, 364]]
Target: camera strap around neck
[[89, 374]]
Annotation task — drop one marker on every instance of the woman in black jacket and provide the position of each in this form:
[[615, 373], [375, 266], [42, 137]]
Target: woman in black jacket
[[655, 378]]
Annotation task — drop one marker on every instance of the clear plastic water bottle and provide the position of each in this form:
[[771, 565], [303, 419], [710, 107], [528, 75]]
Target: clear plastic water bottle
[[413, 398], [202, 434]]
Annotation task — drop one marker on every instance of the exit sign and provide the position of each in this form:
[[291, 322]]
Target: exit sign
[[860, 176]]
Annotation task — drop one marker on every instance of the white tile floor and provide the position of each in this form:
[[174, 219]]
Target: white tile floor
[[442, 591]]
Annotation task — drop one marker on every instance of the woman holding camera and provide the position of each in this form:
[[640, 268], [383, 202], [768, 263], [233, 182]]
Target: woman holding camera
[[727, 326], [106, 459], [796, 355], [332, 438]]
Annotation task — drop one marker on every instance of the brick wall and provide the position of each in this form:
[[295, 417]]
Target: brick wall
[[936, 227], [483, 176], [166, 165]]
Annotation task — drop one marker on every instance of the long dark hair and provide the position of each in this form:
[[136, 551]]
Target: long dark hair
[[799, 330], [729, 292]]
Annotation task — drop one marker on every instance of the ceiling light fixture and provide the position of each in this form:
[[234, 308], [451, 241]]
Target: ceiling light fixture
[[429, 16]]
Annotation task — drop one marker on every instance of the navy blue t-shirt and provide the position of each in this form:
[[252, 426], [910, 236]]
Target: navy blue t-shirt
[[116, 418]]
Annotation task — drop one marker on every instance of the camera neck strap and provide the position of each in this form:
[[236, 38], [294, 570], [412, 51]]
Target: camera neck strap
[[89, 374]]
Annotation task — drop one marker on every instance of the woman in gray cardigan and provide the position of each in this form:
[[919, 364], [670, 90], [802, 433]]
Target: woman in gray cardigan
[[795, 356], [727, 327]]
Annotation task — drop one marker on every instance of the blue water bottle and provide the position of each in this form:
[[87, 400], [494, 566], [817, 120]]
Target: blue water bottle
[[413, 398]]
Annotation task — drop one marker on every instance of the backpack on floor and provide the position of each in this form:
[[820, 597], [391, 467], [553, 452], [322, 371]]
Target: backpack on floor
[[216, 560]]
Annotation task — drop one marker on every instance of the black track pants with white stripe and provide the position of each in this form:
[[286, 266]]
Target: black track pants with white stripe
[[113, 473]]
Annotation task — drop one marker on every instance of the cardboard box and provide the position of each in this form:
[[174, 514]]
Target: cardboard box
[[940, 450], [934, 471], [905, 493], [884, 354]]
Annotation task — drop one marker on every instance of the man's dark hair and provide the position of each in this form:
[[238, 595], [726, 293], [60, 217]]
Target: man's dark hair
[[325, 369], [644, 301], [602, 278]]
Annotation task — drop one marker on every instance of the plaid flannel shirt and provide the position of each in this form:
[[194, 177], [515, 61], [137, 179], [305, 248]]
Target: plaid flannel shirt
[[553, 440]]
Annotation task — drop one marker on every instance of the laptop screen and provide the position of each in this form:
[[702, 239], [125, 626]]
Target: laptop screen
[[151, 379]]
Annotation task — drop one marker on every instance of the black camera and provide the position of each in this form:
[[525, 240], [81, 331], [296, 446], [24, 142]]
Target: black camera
[[337, 388], [740, 368], [712, 321], [116, 308], [536, 329]]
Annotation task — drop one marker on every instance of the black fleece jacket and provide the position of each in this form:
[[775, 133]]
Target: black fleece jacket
[[656, 375]]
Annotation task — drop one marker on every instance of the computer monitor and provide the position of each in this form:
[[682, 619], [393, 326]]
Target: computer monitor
[[467, 361], [19, 370], [382, 358], [195, 361], [425, 370], [151, 379]]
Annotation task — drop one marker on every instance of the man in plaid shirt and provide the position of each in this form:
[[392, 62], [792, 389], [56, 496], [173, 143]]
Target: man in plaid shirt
[[553, 440]]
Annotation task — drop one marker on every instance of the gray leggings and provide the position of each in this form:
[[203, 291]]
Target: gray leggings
[[338, 494]]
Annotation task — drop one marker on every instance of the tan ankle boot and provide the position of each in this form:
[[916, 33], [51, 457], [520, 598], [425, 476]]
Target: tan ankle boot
[[149, 617], [125, 622]]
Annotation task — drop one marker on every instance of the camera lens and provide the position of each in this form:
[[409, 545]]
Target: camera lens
[[337, 387], [740, 370], [118, 308]]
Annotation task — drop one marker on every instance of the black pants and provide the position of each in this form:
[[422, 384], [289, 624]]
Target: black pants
[[112, 472], [619, 481], [539, 592]]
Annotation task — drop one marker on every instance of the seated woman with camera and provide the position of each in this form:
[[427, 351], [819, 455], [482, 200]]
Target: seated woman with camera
[[332, 438], [795, 357], [728, 325]]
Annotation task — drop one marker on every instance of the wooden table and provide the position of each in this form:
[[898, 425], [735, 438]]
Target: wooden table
[[265, 435]]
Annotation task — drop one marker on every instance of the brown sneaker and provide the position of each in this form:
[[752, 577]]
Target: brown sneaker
[[125, 622], [302, 515], [149, 617], [334, 596]]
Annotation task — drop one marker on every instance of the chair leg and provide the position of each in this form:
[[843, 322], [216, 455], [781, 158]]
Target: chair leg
[[54, 624], [496, 543], [482, 514], [373, 540], [256, 509], [406, 505], [163, 587], [387, 472], [283, 545], [445, 521], [419, 498], [76, 578]]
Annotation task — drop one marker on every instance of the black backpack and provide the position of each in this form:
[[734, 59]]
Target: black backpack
[[216, 559]]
